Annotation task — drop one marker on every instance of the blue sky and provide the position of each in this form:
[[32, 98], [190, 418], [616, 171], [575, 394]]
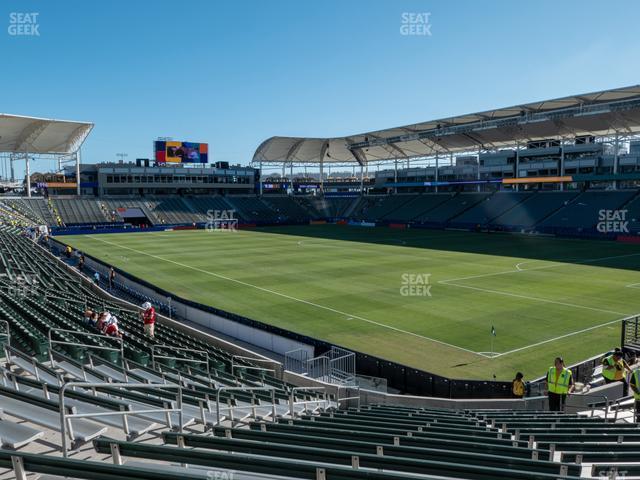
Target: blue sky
[[237, 72]]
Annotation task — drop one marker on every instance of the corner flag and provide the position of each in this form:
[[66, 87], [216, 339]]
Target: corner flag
[[493, 330]]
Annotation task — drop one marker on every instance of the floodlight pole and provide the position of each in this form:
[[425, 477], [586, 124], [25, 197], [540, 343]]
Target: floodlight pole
[[561, 165], [395, 176], [437, 172], [517, 172], [478, 169], [366, 170], [28, 171], [78, 171], [13, 175], [616, 151]]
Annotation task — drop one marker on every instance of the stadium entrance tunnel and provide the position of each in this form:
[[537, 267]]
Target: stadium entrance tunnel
[[133, 216]]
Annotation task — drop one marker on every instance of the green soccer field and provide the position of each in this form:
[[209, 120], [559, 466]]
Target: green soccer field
[[428, 299]]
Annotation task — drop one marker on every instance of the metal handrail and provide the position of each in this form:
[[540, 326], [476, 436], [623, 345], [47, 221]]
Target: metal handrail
[[529, 399], [338, 399], [289, 360], [64, 417], [235, 365], [92, 347], [292, 402], [186, 360], [82, 302], [12, 351], [8, 329], [593, 408], [244, 389], [618, 407]]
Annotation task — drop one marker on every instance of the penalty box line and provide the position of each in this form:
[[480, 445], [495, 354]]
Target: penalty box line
[[536, 299], [289, 297], [543, 300], [577, 332]]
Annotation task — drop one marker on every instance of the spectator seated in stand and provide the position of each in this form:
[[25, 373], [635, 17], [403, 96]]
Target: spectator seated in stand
[[110, 327]]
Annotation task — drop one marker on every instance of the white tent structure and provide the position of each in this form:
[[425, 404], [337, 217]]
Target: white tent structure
[[24, 138]]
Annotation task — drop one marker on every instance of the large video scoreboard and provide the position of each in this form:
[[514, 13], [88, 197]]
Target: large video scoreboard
[[181, 152]]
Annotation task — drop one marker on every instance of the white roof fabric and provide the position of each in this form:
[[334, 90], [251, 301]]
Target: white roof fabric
[[20, 134], [599, 113]]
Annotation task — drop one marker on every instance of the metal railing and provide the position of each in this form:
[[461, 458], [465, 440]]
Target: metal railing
[[589, 406], [337, 366], [296, 360], [318, 368], [293, 403], [535, 399], [12, 351], [66, 417], [630, 332], [619, 407], [204, 362], [339, 399], [84, 345], [342, 366], [7, 334], [235, 365], [49, 297], [244, 389]]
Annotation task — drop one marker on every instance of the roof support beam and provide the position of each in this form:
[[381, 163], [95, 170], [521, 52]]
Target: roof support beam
[[359, 156], [30, 135]]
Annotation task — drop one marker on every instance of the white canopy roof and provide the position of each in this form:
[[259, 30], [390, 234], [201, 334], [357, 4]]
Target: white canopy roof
[[19, 134], [600, 113]]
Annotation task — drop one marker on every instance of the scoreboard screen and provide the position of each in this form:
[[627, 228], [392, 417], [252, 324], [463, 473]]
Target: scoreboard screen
[[181, 152]]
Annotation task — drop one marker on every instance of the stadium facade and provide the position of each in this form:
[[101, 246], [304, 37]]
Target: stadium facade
[[578, 141]]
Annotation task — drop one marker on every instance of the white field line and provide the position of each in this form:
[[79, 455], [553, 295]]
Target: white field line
[[542, 267], [309, 241], [537, 299], [289, 297], [577, 332], [633, 285], [543, 300], [518, 269], [523, 263]]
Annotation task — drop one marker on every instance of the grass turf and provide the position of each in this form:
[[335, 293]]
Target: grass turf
[[344, 285]]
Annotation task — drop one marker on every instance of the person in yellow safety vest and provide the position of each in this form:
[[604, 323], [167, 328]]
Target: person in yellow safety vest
[[559, 384], [613, 369], [635, 387], [517, 386]]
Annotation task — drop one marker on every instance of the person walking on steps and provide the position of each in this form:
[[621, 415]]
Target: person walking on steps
[[559, 384]]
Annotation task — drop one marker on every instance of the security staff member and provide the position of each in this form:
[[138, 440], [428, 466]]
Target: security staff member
[[613, 367], [559, 384], [635, 387]]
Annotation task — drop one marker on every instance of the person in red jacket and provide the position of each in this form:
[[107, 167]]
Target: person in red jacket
[[111, 328], [149, 318]]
